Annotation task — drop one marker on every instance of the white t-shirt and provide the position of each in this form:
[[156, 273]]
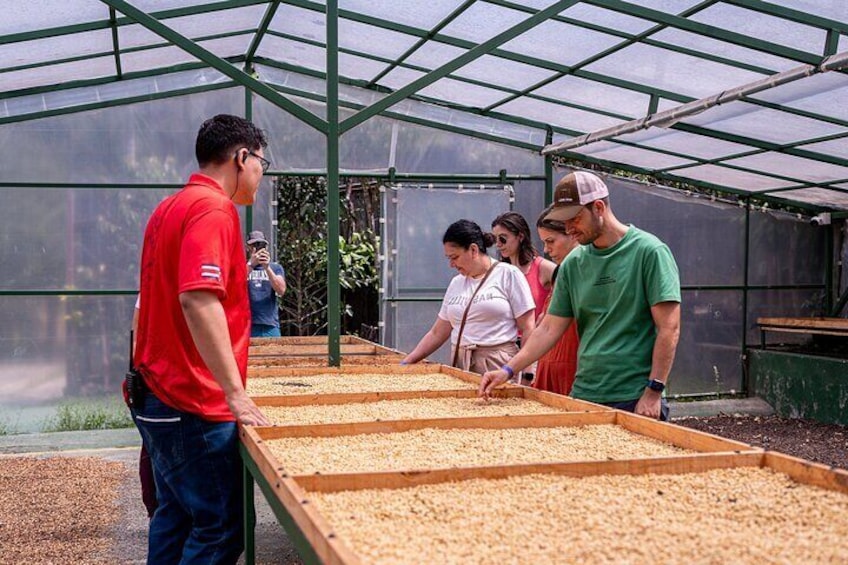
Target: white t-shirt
[[491, 319]]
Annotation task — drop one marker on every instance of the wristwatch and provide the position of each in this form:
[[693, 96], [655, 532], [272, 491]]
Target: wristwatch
[[656, 385]]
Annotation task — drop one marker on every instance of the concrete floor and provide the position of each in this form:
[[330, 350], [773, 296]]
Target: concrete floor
[[272, 545]]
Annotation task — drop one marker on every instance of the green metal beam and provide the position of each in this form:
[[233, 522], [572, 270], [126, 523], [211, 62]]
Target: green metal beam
[[140, 48], [8, 95], [549, 65], [260, 33], [115, 44], [105, 24], [708, 31], [713, 187], [334, 326], [483, 49], [218, 64], [422, 40], [601, 54], [790, 14], [114, 103]]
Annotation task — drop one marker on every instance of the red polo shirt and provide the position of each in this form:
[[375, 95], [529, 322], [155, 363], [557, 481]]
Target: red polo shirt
[[192, 242]]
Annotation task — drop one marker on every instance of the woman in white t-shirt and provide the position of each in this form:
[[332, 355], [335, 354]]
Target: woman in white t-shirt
[[501, 305]]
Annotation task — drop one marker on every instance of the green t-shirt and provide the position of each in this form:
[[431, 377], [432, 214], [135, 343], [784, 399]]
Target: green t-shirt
[[610, 292]]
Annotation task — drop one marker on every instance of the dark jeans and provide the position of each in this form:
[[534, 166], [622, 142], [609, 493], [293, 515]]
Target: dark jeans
[[198, 472], [630, 406], [264, 330]]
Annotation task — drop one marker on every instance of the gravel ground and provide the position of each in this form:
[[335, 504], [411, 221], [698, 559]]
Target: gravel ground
[[822, 443], [42, 522]]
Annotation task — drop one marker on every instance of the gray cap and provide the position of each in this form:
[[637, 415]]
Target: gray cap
[[255, 237]]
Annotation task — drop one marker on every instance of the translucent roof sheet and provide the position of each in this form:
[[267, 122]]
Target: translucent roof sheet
[[583, 67]]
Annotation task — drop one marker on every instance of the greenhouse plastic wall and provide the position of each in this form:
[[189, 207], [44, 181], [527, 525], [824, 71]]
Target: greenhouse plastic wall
[[55, 348], [414, 265]]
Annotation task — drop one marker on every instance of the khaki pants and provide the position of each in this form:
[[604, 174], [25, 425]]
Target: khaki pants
[[481, 358]]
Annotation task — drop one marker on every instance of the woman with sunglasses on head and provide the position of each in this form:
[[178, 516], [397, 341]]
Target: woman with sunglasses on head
[[515, 246], [556, 369], [484, 308]]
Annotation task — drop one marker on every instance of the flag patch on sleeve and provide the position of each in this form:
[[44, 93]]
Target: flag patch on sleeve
[[210, 272]]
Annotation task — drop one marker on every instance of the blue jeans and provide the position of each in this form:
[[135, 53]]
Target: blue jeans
[[198, 474], [630, 406], [264, 330]]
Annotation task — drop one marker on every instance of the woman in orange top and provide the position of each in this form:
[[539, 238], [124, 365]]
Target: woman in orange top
[[556, 368]]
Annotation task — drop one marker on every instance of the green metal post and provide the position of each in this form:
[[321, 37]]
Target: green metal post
[[745, 383], [828, 269], [248, 115], [333, 290], [249, 517], [549, 169]]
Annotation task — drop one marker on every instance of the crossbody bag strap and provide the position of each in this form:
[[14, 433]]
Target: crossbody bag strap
[[467, 308]]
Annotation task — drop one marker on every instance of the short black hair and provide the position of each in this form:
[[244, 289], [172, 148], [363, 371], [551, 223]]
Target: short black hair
[[221, 136]]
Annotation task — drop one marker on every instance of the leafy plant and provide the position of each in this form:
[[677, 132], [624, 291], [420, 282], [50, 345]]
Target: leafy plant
[[302, 248]]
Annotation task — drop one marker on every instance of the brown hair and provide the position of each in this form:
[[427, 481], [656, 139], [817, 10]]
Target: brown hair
[[515, 223]]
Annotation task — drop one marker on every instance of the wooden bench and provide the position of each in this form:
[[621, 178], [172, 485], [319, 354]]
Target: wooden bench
[[821, 326]]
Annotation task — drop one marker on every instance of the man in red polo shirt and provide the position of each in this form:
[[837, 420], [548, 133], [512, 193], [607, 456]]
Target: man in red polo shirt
[[193, 336]]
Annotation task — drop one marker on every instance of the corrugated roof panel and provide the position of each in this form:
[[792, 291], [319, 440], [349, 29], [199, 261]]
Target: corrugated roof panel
[[462, 93], [359, 68], [608, 18], [699, 146], [410, 12], [433, 54], [833, 9], [167, 56], [818, 196], [763, 26], [765, 124], [554, 114], [724, 176], [723, 49], [792, 166], [293, 53], [198, 25], [95, 67], [373, 40], [643, 158], [300, 23], [597, 95], [52, 48], [29, 15], [675, 72], [502, 72], [561, 43], [824, 93], [483, 21], [835, 147]]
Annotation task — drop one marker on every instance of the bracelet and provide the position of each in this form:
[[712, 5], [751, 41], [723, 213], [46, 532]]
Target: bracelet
[[508, 370]]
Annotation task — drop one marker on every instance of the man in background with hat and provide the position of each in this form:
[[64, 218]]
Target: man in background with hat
[[265, 282], [622, 287]]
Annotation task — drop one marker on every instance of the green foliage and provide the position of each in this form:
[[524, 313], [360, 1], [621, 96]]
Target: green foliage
[[91, 415], [302, 248]]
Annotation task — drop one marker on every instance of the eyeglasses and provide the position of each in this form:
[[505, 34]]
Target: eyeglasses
[[262, 160], [502, 239]]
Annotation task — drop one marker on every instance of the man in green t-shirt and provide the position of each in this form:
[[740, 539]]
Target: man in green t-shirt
[[622, 288]]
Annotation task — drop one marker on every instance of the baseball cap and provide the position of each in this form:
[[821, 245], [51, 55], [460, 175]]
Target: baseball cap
[[574, 191], [255, 237]]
